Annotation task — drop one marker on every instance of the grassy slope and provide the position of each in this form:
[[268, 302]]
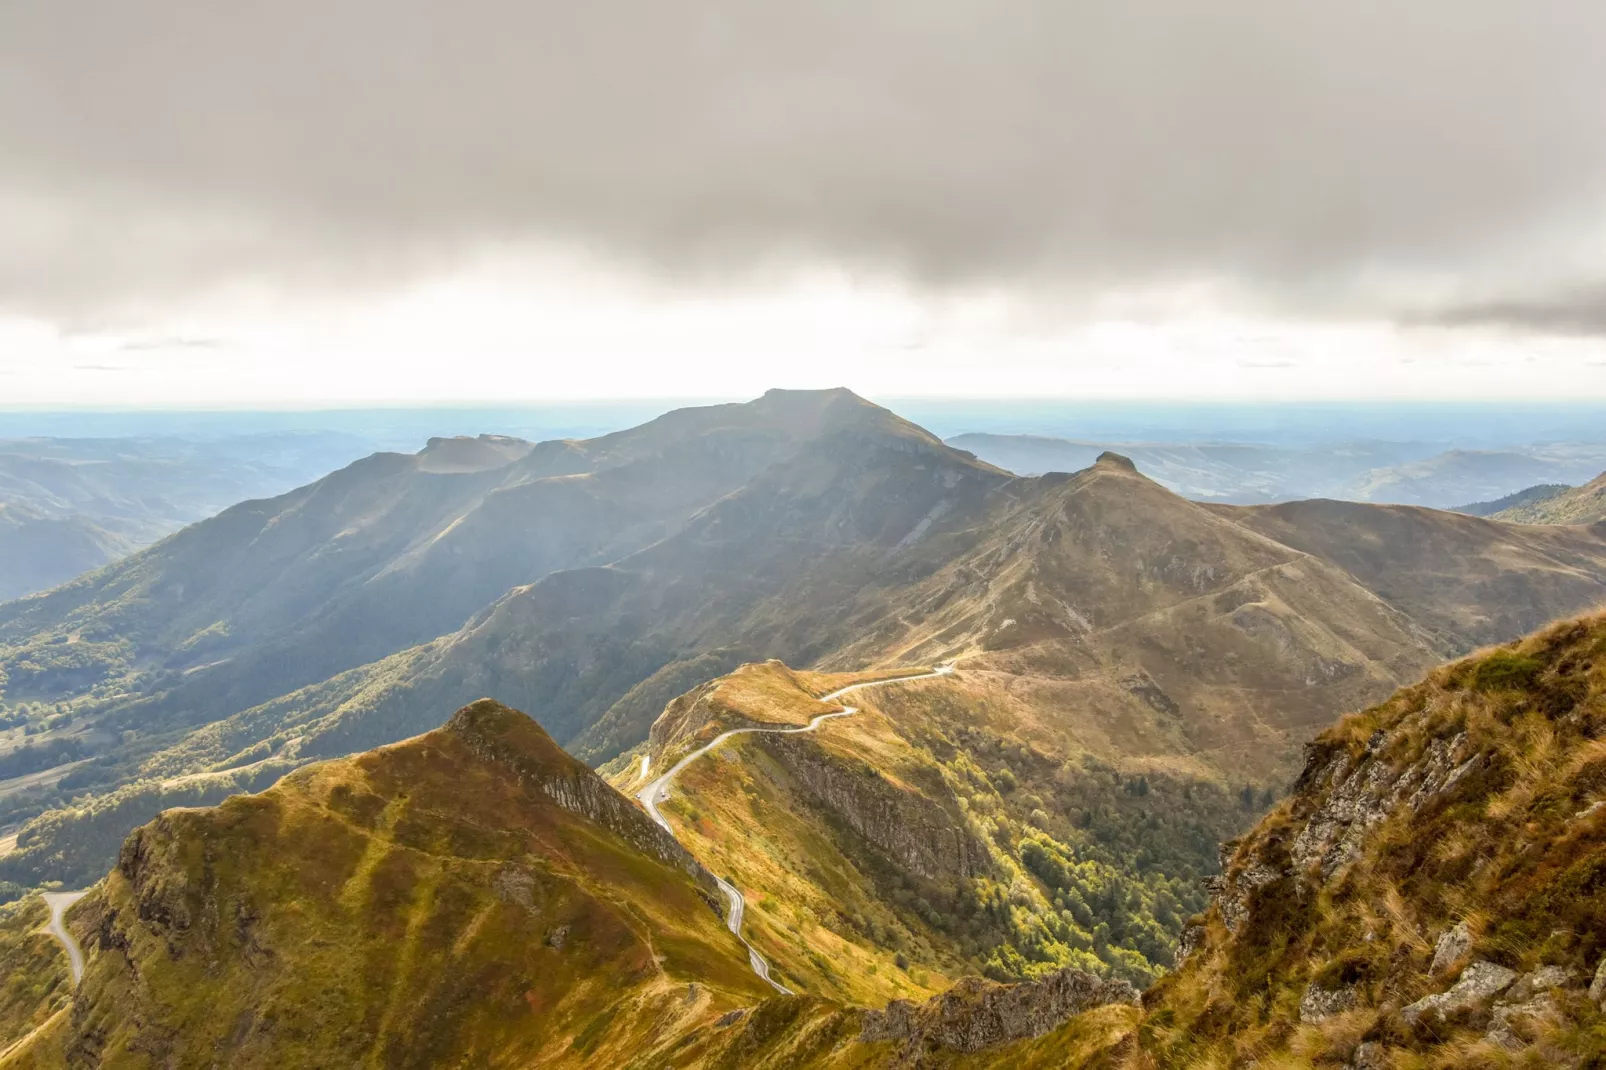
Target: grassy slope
[[33, 967], [413, 906], [1515, 848], [1472, 797], [814, 889], [933, 835], [1574, 505]]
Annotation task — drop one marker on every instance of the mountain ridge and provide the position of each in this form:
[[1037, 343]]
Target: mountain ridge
[[816, 528], [1569, 505]]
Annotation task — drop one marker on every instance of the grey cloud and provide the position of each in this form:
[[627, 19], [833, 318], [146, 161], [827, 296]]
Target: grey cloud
[[1579, 312], [1294, 149]]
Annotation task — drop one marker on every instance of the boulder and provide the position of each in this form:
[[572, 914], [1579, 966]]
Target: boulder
[[1320, 1003], [1453, 943], [1479, 982]]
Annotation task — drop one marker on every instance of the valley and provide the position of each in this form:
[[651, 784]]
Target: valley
[[593, 581], [1020, 838], [1421, 898]]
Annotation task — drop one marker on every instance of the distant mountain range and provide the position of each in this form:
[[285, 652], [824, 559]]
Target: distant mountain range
[[1385, 472], [71, 505], [592, 581]]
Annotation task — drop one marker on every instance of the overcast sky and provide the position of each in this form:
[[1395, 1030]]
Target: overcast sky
[[400, 200]]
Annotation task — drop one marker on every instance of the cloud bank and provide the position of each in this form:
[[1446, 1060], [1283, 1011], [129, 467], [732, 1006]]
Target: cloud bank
[[1441, 156]]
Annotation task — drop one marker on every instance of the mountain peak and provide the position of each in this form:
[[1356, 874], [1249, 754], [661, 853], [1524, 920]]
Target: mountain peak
[[463, 453], [1111, 459], [781, 393], [487, 718]]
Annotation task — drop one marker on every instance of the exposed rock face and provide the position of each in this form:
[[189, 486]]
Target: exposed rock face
[[975, 1014], [1597, 988], [1479, 982], [1510, 1019], [1362, 792], [1527, 1003], [1369, 1056], [1321, 1003], [1455, 942], [1233, 889], [1538, 983], [922, 837]]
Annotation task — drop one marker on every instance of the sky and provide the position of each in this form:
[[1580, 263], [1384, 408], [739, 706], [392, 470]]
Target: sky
[[401, 202]]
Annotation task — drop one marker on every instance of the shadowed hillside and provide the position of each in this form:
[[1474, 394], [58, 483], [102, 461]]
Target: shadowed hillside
[[595, 581]]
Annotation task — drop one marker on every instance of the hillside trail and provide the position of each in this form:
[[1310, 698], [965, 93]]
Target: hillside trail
[[658, 791], [58, 902]]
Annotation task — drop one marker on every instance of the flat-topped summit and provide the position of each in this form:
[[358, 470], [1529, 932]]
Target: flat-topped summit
[[1111, 459], [464, 453]]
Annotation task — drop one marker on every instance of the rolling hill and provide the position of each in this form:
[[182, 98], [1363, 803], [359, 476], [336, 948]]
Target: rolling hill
[[1568, 505]]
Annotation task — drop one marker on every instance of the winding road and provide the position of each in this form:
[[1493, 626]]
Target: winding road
[[58, 902], [658, 791]]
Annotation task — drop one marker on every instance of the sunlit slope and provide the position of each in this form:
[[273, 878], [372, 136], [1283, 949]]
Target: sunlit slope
[[1101, 613], [34, 983], [1434, 892], [1572, 505], [886, 853], [471, 896]]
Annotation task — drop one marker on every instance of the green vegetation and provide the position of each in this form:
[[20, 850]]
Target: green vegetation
[[1497, 826], [844, 840], [593, 581], [33, 970], [32, 757], [1506, 670], [1564, 505], [1096, 868], [468, 897]]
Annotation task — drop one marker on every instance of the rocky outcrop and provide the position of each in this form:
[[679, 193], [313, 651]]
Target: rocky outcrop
[[1453, 943], [975, 1014], [1526, 1005], [1320, 1003], [921, 836], [1362, 791], [1480, 981]]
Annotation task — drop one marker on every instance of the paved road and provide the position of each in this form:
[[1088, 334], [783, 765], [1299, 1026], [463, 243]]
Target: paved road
[[656, 792], [58, 902]]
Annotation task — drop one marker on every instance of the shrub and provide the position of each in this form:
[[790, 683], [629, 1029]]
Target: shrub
[[1506, 671]]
